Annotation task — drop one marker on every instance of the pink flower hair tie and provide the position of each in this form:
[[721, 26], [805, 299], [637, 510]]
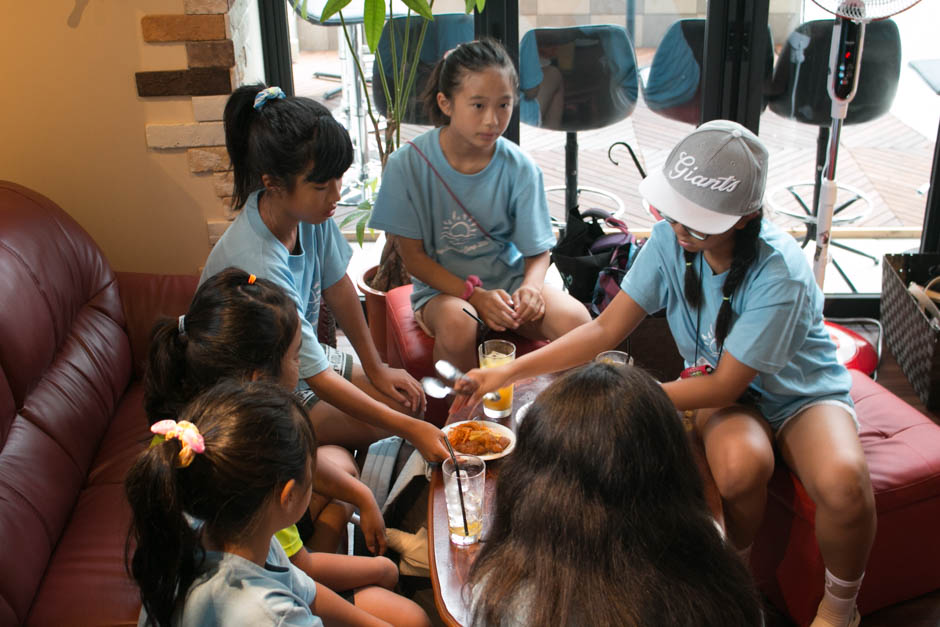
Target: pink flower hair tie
[[187, 433]]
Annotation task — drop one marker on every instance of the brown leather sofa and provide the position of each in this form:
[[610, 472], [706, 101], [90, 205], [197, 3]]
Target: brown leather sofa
[[73, 334]]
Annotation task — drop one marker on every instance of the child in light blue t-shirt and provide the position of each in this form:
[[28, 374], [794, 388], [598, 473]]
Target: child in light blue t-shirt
[[469, 211], [746, 315], [206, 499], [288, 157]]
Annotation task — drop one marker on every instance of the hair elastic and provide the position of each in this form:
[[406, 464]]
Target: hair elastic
[[251, 279], [181, 324], [187, 433], [271, 93], [726, 298]]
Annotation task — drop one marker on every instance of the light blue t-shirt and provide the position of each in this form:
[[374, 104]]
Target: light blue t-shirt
[[321, 258], [776, 326], [231, 590], [507, 198]]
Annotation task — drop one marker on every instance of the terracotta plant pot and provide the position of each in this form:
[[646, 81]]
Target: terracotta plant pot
[[375, 312]]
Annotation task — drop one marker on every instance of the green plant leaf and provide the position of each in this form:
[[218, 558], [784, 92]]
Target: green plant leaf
[[300, 5], [332, 7], [360, 232], [421, 7], [481, 4], [469, 4], [373, 19], [358, 215]]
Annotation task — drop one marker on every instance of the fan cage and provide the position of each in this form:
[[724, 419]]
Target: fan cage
[[865, 10]]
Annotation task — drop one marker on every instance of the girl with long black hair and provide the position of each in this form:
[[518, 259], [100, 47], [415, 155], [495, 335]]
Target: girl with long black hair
[[604, 522]]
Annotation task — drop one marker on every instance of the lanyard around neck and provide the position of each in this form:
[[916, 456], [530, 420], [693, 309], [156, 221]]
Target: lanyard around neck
[[698, 312]]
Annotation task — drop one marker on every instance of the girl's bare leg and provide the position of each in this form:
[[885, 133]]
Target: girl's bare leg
[[391, 607], [821, 446], [741, 459], [562, 314], [455, 333], [348, 572], [330, 516]]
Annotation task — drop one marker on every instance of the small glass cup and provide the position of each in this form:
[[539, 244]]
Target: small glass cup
[[494, 353], [472, 481], [615, 358]]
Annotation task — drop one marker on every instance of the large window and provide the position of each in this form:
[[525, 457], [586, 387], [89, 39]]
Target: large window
[[888, 158]]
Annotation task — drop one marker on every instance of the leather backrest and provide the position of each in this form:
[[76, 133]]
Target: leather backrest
[[445, 32], [597, 70], [799, 86], [65, 363]]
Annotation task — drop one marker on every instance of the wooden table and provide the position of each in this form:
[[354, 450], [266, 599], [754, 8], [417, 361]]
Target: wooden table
[[450, 564]]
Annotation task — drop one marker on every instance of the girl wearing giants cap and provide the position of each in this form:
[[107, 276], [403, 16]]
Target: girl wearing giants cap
[[745, 311]]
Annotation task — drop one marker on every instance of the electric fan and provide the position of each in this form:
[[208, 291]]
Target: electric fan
[[845, 55]]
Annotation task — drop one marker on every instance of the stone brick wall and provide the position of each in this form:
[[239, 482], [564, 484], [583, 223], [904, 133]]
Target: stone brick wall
[[213, 32]]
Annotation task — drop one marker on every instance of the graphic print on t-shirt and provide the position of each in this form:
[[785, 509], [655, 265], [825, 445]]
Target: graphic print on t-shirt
[[460, 234]]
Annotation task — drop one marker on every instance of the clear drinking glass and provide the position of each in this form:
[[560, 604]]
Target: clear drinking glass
[[472, 479], [615, 358], [494, 353]]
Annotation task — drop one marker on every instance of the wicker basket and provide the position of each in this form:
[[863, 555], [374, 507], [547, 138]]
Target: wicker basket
[[911, 335]]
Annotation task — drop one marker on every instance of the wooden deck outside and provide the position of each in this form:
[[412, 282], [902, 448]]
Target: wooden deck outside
[[885, 159]]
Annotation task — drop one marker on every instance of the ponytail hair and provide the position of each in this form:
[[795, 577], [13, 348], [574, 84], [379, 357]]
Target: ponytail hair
[[448, 73], [233, 329], [283, 138], [745, 252], [257, 438]]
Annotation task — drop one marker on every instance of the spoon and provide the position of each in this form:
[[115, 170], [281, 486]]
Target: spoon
[[447, 370], [438, 389]]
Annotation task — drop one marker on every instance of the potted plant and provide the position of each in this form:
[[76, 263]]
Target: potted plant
[[405, 54]]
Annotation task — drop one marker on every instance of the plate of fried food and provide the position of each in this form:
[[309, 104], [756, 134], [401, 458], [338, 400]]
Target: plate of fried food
[[487, 440]]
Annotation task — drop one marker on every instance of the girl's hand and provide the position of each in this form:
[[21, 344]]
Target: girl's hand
[[528, 303], [495, 307], [428, 439], [472, 386], [402, 387], [373, 526]]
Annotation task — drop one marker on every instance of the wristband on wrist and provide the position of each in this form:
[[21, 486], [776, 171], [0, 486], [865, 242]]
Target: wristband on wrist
[[472, 282]]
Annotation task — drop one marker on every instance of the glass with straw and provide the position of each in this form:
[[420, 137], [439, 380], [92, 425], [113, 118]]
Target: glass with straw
[[464, 477]]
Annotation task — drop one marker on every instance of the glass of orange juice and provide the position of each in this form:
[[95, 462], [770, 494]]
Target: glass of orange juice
[[496, 353]]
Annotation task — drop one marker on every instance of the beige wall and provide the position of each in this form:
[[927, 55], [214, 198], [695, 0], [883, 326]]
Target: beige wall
[[73, 128]]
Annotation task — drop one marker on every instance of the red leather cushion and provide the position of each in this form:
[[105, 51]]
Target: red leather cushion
[[85, 583], [148, 297], [409, 347], [66, 361], [128, 434], [902, 447]]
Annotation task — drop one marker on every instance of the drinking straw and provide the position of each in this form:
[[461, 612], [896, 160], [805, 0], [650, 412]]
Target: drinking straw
[[485, 327], [453, 457], [480, 320]]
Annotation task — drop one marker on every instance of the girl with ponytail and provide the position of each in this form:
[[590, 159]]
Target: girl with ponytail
[[288, 158], [468, 210], [243, 328], [206, 499], [745, 310]]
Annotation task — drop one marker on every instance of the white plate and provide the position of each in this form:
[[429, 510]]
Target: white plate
[[496, 427]]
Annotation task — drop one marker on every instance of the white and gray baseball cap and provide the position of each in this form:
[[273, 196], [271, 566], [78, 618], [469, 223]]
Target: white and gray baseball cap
[[715, 175]]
